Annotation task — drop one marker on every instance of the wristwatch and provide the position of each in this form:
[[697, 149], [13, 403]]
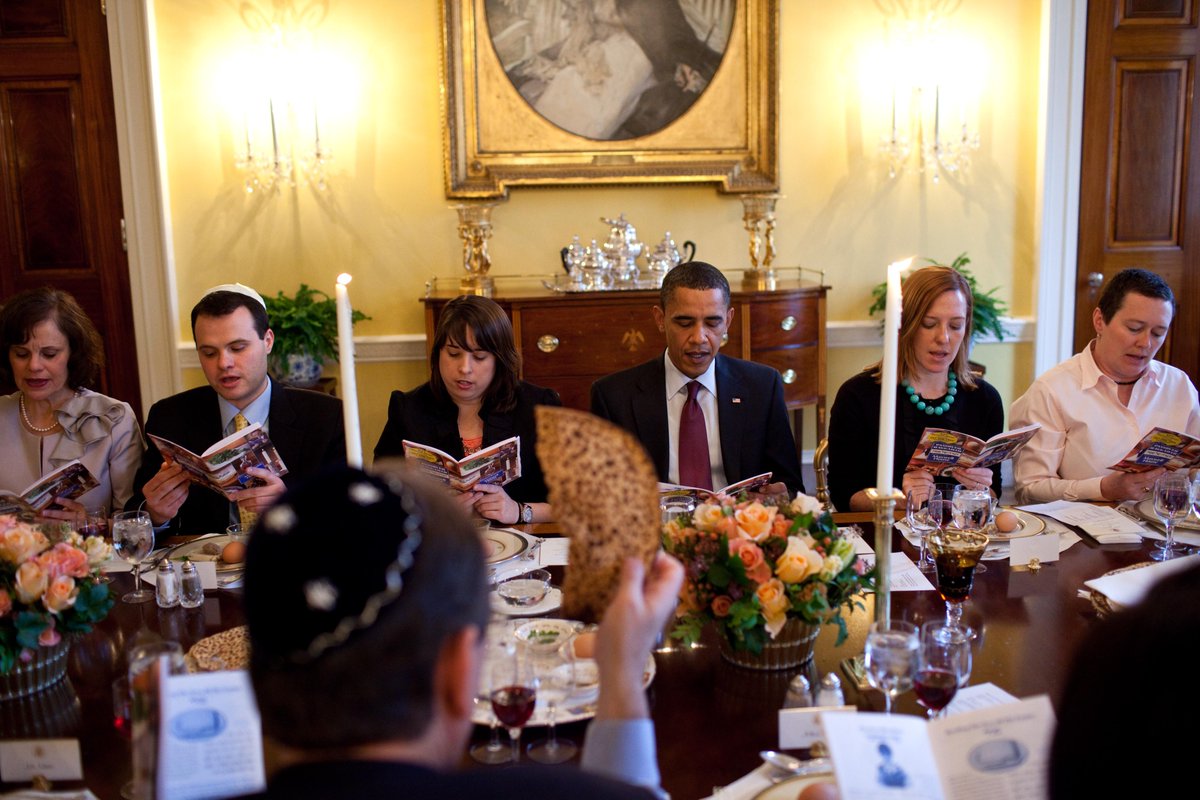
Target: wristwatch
[[525, 513]]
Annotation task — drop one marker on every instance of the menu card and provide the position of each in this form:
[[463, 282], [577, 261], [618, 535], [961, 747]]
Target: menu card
[[1106, 525], [997, 751]]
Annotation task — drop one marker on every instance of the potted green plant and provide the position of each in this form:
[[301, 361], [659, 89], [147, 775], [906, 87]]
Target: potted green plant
[[305, 327], [988, 308]]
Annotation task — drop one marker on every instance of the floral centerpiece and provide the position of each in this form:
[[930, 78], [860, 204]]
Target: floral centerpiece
[[47, 588], [751, 566]]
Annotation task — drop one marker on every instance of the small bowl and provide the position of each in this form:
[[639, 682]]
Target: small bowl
[[525, 590], [237, 533], [545, 635]]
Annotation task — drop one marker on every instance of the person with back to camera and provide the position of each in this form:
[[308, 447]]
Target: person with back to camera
[[366, 665], [475, 398], [1095, 406], [935, 332], [53, 354]]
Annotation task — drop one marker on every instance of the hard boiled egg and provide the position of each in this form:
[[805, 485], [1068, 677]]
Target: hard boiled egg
[[1007, 522], [234, 553]]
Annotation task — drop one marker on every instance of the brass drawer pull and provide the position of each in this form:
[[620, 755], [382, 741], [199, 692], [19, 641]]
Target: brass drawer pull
[[547, 343], [788, 322], [789, 376]]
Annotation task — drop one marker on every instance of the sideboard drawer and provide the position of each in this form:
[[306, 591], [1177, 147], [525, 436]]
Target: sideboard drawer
[[577, 340], [776, 323], [799, 368]]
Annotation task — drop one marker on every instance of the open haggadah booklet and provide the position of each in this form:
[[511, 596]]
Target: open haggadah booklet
[[733, 489], [1161, 447], [223, 466], [497, 464], [941, 450], [71, 480]]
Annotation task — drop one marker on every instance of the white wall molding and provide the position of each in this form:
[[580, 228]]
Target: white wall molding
[[860, 333]]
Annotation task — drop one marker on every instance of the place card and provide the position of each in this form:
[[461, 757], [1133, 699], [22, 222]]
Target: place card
[[554, 551], [23, 759], [1044, 548], [799, 728]]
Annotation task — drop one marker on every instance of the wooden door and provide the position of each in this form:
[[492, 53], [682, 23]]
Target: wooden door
[[60, 205], [1140, 184]]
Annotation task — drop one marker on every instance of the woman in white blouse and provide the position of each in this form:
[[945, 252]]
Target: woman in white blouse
[[52, 353], [1095, 406]]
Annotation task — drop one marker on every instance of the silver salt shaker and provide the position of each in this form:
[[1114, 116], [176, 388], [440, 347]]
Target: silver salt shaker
[[191, 593], [166, 585], [799, 693], [830, 692]]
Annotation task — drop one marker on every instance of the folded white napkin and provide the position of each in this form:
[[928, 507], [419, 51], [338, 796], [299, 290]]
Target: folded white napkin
[[1129, 587]]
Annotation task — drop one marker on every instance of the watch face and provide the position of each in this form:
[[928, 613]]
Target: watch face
[[526, 513]]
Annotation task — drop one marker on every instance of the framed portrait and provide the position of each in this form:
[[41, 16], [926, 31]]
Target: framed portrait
[[561, 92]]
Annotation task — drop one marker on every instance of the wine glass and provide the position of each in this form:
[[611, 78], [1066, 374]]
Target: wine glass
[[973, 510], [890, 657], [556, 681], [133, 539], [492, 751], [923, 512], [1172, 502], [943, 666], [514, 690], [956, 554]]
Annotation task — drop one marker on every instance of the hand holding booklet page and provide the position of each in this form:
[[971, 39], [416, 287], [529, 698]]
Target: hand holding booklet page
[[732, 490], [1161, 447], [941, 450], [497, 464], [71, 480], [223, 466]]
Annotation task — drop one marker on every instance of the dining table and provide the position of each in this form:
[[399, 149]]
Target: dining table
[[711, 718]]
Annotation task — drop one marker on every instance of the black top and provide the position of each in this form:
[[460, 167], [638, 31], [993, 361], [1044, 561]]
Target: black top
[[418, 416], [305, 427], [386, 780], [854, 431]]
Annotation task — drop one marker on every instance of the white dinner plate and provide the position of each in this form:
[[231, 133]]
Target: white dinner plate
[[1146, 509], [1027, 525], [790, 788], [196, 549], [504, 545]]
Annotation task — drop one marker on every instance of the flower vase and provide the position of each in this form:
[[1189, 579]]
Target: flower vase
[[792, 647], [47, 667]]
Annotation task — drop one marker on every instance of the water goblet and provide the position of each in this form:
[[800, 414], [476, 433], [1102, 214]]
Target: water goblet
[[943, 666], [923, 512], [675, 505], [556, 681], [133, 539], [514, 688], [956, 554], [1173, 495], [890, 657], [973, 510]]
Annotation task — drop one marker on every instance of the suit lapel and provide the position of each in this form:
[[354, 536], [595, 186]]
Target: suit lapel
[[286, 433], [650, 415], [732, 421]]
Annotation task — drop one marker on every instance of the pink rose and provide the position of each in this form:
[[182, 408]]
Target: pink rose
[[60, 594], [720, 606], [21, 542], [30, 582], [752, 558], [754, 521], [62, 560], [49, 637], [5, 603]]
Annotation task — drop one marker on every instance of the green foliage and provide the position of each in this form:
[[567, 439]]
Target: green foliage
[[988, 308], [304, 323]]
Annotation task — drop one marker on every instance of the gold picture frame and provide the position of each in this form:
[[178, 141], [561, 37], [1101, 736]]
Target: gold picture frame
[[495, 140]]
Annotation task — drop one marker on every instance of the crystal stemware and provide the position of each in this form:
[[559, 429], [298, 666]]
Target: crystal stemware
[[943, 666], [133, 539], [492, 751], [891, 657], [973, 510], [514, 688], [556, 682], [923, 512], [1173, 497], [956, 554]]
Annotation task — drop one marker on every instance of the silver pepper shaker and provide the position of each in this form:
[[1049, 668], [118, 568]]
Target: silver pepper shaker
[[799, 693], [830, 693], [166, 585], [191, 593]]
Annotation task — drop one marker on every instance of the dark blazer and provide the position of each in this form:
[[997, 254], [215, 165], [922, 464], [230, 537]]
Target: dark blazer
[[420, 417], [305, 427], [755, 435]]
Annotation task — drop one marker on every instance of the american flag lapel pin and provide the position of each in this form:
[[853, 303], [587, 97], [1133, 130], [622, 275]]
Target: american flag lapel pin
[[737, 400]]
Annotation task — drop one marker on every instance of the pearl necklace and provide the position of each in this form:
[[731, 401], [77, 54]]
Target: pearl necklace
[[28, 422], [929, 408]]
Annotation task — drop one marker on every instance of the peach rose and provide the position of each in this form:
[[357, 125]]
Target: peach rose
[[63, 559], [752, 558], [21, 543], [780, 526], [5, 602], [772, 596], [706, 516], [60, 594], [49, 637], [30, 582], [720, 605], [798, 561], [754, 521]]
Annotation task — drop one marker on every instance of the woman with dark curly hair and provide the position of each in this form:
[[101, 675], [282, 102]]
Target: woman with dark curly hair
[[53, 355], [474, 399]]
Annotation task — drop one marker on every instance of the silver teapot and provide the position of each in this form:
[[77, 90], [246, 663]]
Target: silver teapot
[[622, 249]]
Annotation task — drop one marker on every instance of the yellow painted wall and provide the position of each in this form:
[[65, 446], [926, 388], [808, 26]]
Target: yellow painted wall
[[385, 218]]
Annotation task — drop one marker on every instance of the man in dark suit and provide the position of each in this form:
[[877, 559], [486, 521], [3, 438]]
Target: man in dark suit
[[233, 338], [707, 420]]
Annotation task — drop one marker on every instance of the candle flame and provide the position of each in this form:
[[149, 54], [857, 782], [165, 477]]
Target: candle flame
[[345, 278]]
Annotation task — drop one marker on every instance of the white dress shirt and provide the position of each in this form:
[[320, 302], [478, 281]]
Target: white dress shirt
[[1086, 429], [676, 398]]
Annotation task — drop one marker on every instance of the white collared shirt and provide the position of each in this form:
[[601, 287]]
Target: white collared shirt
[[676, 399], [1086, 429], [258, 411]]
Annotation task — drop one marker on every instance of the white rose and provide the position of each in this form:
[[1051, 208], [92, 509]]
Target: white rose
[[803, 504]]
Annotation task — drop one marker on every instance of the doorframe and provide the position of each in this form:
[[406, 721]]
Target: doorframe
[[144, 194]]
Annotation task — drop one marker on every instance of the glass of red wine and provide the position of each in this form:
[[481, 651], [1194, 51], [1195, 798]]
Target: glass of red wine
[[943, 665], [1172, 503], [514, 691]]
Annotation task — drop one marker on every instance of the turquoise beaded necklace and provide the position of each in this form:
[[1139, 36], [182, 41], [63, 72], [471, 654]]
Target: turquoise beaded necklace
[[929, 408]]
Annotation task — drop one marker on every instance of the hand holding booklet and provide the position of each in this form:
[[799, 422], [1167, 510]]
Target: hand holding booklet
[[497, 464], [1161, 447], [71, 480], [941, 450], [745, 485], [223, 467]]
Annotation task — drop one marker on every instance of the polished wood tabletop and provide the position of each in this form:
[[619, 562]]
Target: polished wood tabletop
[[711, 718]]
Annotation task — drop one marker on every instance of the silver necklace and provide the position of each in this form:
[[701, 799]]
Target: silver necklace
[[28, 422]]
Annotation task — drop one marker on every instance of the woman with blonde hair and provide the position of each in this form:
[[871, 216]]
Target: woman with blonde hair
[[936, 389]]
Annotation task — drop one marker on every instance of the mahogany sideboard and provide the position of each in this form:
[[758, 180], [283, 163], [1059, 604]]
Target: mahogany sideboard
[[568, 340]]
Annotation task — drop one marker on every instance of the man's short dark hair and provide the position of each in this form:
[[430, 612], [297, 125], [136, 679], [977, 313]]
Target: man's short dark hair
[[693, 275], [318, 559], [1138, 281], [221, 304], [24, 311]]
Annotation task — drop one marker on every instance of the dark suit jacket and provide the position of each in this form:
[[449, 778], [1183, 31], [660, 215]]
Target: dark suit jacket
[[305, 427], [420, 417], [755, 435]]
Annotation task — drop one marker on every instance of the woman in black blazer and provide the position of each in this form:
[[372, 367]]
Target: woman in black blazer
[[474, 399]]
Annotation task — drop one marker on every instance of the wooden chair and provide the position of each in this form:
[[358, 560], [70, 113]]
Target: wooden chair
[[821, 468]]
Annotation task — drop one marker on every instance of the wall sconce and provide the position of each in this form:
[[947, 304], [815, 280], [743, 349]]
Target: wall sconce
[[934, 88]]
